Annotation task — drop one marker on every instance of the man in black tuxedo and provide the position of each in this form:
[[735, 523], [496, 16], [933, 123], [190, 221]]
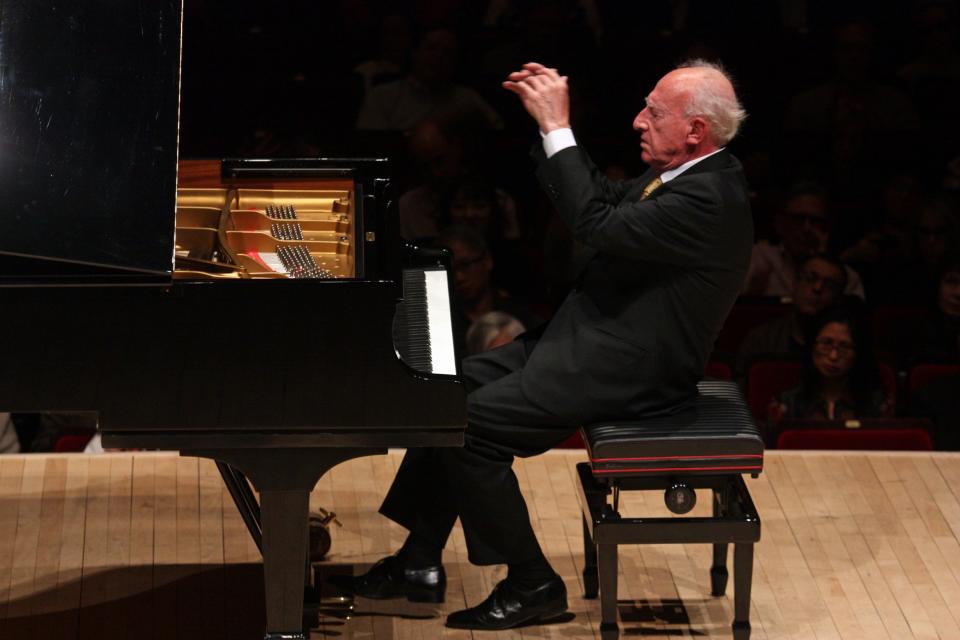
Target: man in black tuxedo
[[632, 339]]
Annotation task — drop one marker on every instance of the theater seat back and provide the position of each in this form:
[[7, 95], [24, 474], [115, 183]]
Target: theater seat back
[[912, 439]]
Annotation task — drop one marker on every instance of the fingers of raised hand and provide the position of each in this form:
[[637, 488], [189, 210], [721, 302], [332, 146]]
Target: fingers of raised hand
[[538, 83], [522, 89], [517, 76]]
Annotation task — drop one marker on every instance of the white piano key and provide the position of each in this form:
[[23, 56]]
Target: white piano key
[[442, 353]]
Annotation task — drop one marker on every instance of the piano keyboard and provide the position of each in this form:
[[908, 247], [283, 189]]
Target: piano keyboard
[[423, 336]]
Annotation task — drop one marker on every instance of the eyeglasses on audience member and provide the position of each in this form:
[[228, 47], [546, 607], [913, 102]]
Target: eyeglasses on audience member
[[826, 346], [812, 277]]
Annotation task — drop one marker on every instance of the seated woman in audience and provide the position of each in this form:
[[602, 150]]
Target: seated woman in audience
[[840, 377]]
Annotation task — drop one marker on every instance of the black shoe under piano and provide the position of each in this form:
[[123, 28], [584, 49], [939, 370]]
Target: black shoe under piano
[[262, 313]]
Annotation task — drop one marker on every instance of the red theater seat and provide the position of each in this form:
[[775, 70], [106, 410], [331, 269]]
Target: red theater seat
[[72, 443], [767, 378], [923, 374], [907, 439], [718, 370]]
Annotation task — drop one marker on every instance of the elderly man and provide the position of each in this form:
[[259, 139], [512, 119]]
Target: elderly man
[[672, 248]]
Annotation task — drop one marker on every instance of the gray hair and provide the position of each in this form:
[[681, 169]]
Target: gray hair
[[724, 115], [487, 327]]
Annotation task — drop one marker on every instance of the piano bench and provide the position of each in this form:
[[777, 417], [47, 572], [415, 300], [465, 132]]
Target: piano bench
[[707, 446]]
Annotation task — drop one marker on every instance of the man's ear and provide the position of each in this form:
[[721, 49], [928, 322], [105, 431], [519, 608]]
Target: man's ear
[[697, 132]]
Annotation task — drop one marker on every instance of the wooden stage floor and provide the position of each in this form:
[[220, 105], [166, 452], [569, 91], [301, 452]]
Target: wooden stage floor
[[854, 546]]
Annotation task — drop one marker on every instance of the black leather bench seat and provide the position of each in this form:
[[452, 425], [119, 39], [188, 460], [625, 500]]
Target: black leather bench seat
[[708, 445], [716, 435]]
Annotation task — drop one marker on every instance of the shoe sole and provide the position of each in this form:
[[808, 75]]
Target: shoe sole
[[549, 611]]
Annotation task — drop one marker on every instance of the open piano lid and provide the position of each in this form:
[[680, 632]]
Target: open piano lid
[[89, 95]]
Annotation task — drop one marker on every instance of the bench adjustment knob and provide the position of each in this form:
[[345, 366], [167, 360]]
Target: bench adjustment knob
[[680, 498]]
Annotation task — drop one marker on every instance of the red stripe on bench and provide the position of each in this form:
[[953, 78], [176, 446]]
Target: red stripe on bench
[[727, 455], [656, 469]]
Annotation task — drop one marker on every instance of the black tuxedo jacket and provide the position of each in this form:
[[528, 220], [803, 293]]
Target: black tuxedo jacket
[[634, 336]]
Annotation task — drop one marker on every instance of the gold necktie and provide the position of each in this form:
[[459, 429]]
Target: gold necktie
[[651, 187]]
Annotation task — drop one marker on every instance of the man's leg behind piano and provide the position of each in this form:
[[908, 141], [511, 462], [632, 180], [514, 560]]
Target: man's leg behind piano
[[477, 483], [420, 500]]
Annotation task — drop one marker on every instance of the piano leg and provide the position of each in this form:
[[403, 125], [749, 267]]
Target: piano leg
[[284, 478], [284, 518]]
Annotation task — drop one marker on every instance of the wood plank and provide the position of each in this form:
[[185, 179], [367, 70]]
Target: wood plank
[[96, 555], [188, 549], [165, 569], [11, 479], [45, 604], [26, 549], [72, 543], [140, 611], [118, 545]]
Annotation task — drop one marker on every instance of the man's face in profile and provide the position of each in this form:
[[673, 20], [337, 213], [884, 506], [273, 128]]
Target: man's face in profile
[[663, 126]]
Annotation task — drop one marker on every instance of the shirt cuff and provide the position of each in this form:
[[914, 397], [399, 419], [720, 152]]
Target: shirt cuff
[[557, 140]]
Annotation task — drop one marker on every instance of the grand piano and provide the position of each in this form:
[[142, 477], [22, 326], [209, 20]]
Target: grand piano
[[261, 313]]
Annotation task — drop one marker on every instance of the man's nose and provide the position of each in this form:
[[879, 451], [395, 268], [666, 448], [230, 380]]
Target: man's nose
[[639, 124]]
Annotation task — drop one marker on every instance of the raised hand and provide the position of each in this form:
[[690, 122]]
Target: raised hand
[[544, 95]]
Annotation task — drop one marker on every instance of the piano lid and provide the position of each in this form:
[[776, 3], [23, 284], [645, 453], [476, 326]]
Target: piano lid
[[88, 138]]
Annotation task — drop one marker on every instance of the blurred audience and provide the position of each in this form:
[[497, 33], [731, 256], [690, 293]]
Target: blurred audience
[[427, 90], [474, 293], [937, 339], [840, 380], [889, 245], [935, 237], [819, 285], [853, 121], [392, 55], [491, 330], [802, 226]]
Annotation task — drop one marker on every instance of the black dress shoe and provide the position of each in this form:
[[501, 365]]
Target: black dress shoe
[[509, 606], [388, 578]]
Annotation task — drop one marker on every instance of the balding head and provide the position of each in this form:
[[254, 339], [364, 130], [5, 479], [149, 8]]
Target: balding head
[[710, 95], [692, 111]]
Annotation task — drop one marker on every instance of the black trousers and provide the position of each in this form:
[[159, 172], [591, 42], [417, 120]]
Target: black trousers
[[476, 483]]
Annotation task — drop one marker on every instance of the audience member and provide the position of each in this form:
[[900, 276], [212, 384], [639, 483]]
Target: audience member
[[427, 90], [491, 330], [819, 285], [889, 244], [474, 293], [802, 225], [391, 58], [938, 338], [932, 74], [492, 212], [450, 187], [840, 376], [935, 237], [852, 122]]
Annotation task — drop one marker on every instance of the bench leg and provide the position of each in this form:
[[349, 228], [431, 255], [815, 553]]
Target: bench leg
[[608, 591], [591, 580], [742, 582], [718, 572]]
